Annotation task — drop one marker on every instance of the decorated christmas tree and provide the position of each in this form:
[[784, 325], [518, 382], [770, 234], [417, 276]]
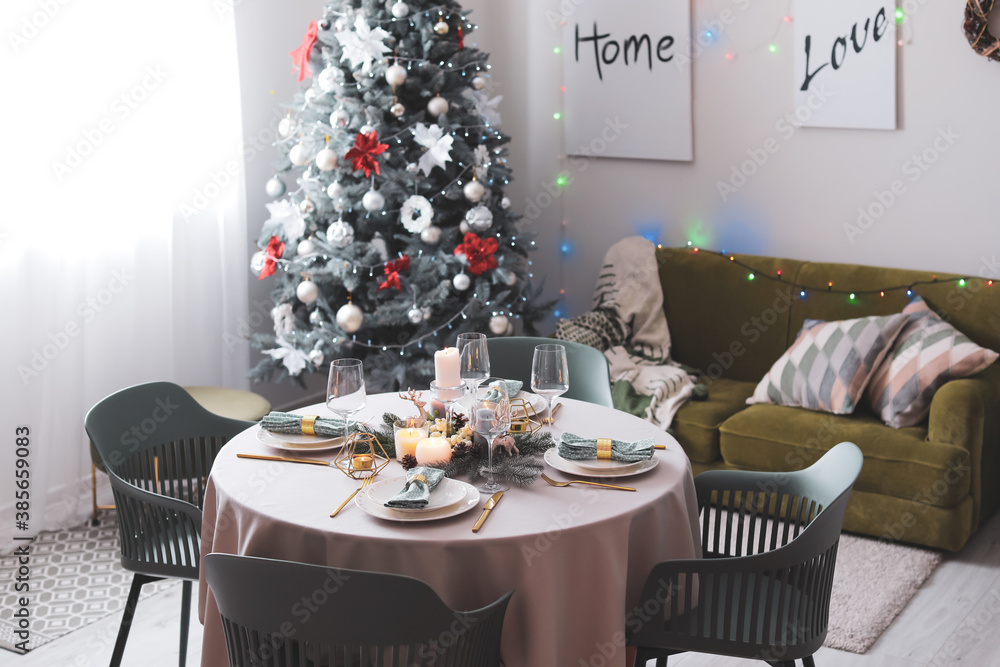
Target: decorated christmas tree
[[390, 233]]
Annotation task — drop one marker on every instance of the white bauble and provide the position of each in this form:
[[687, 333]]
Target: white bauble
[[437, 106], [275, 187], [441, 27], [505, 203], [474, 191], [478, 82], [339, 118], [367, 129], [412, 168], [397, 109], [316, 318], [286, 126], [498, 324], [373, 201], [326, 160], [431, 235], [340, 25], [257, 261], [506, 276], [305, 247], [310, 95], [464, 227], [340, 234], [415, 315], [400, 9], [461, 282], [306, 206], [335, 190], [510, 329], [316, 357], [395, 75], [329, 78], [350, 317], [299, 155], [307, 291], [480, 218]]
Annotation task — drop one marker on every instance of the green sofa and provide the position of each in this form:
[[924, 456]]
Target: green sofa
[[932, 484]]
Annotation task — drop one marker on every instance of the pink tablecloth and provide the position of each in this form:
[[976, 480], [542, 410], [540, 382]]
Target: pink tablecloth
[[576, 557]]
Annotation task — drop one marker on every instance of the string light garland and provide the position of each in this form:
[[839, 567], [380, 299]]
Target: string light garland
[[754, 273]]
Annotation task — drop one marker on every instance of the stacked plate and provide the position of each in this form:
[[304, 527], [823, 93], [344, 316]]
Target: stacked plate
[[450, 498], [291, 442], [595, 468]]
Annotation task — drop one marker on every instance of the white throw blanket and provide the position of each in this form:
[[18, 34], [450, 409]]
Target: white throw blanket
[[629, 284]]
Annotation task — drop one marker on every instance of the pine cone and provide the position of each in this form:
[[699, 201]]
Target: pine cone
[[409, 461], [476, 450], [460, 449], [459, 421]]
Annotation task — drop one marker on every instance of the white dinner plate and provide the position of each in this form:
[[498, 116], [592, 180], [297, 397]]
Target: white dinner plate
[[380, 511], [299, 443], [573, 468], [447, 493]]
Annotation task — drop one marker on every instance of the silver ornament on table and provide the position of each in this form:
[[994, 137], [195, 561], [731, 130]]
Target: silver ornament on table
[[505, 203], [431, 235], [339, 118], [395, 75], [350, 317], [479, 218], [299, 155], [305, 247], [441, 27], [498, 324], [316, 357], [340, 234], [478, 82], [330, 78], [397, 109], [326, 160], [275, 187], [307, 291], [335, 190], [473, 191], [437, 106], [415, 315], [306, 206], [316, 318], [373, 201], [461, 282], [400, 9]]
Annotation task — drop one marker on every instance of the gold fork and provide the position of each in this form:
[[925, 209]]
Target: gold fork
[[367, 481], [581, 481]]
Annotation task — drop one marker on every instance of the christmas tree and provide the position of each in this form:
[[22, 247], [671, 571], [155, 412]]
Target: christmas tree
[[390, 233]]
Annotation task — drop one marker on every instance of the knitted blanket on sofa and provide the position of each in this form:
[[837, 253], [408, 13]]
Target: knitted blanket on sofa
[[627, 323]]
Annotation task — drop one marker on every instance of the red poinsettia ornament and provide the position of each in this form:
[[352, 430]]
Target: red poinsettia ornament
[[300, 56], [275, 249], [478, 252], [366, 149], [392, 270]]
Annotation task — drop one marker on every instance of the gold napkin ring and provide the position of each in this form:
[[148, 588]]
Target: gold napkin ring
[[604, 449], [309, 424], [419, 478]]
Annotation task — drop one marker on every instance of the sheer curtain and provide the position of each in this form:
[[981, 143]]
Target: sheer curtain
[[123, 249]]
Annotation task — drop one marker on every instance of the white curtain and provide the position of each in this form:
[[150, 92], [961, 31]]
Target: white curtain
[[123, 249]]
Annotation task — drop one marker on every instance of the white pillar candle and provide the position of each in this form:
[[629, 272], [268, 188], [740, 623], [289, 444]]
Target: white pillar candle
[[446, 367], [433, 450], [407, 439]]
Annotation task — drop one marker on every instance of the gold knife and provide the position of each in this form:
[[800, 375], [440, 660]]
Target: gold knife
[[315, 462], [490, 504]]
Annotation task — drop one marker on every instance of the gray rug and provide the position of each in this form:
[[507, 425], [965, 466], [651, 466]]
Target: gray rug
[[75, 580], [873, 582]]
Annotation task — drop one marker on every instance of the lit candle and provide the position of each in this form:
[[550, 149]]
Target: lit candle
[[363, 462], [433, 450], [408, 433], [446, 368]]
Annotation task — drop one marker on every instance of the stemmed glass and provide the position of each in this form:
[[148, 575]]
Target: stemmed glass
[[491, 418], [474, 361], [549, 373], [345, 391]]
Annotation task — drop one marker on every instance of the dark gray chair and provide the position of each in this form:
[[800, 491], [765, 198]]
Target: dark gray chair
[[354, 619], [158, 445], [762, 589], [589, 376]]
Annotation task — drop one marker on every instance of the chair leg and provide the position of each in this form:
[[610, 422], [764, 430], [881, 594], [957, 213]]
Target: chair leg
[[185, 619], [808, 661], [138, 581], [93, 494]]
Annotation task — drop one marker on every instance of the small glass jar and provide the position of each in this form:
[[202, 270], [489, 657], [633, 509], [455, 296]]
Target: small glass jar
[[407, 433]]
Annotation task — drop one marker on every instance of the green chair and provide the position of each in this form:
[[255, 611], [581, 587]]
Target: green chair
[[157, 445], [589, 377], [762, 589], [358, 618]]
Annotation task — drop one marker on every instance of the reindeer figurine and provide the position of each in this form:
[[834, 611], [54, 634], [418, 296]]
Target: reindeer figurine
[[413, 396]]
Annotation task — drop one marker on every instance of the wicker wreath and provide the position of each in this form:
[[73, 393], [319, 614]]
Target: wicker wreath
[[977, 30]]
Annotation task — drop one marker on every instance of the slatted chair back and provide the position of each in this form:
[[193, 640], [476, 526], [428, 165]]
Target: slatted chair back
[[158, 445], [769, 542], [589, 374], [297, 615]]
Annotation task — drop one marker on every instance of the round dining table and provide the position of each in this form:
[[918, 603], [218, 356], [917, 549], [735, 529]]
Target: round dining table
[[576, 557]]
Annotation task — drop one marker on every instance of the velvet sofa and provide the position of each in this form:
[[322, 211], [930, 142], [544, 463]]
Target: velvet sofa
[[932, 484]]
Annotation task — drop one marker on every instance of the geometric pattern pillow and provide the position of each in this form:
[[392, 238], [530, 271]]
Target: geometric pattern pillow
[[830, 363], [928, 353]]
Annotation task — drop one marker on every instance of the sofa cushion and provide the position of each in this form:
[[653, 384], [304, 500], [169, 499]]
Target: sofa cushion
[[898, 462], [696, 424], [928, 353], [830, 363]]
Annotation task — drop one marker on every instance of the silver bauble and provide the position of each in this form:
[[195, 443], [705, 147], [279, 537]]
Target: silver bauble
[[329, 78], [305, 247], [306, 206], [307, 291], [437, 106], [461, 282], [367, 129], [473, 190], [350, 317], [441, 27], [339, 118], [326, 160], [340, 25], [505, 203], [299, 155], [338, 205], [431, 235], [310, 95], [415, 315], [397, 109], [275, 187], [335, 190], [478, 82], [257, 261], [400, 9], [316, 357], [340, 234], [373, 201], [479, 218], [286, 126], [395, 75], [506, 276], [412, 168], [498, 324]]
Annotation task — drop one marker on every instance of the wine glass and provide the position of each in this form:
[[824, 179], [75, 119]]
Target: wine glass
[[491, 418], [549, 373], [345, 391], [474, 361]]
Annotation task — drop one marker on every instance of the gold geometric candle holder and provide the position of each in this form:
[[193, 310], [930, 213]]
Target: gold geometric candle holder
[[528, 422], [361, 456]]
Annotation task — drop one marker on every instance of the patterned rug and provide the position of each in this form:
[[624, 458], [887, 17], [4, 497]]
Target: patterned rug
[[75, 581]]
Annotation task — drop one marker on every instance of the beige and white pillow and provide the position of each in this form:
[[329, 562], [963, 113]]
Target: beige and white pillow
[[927, 353], [829, 365]]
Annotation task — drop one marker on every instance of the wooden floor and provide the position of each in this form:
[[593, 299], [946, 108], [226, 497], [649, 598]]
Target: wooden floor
[[953, 620]]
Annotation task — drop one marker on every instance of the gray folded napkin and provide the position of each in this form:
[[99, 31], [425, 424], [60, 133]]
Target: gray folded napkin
[[285, 422], [416, 493], [513, 386], [575, 448]]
